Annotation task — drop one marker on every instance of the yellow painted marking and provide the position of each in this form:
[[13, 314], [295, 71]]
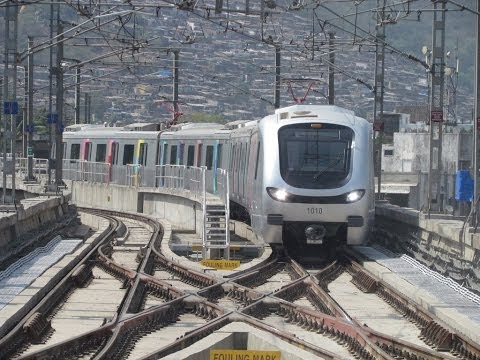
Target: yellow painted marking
[[221, 264], [244, 355]]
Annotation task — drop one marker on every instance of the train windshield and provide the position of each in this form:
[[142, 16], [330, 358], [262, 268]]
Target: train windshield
[[315, 156]]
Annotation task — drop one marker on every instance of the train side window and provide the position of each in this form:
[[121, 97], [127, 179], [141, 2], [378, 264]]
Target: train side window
[[245, 158], [64, 149], [164, 154], [240, 158], [181, 149], [230, 160], [235, 157], [88, 151], [128, 151], [159, 152], [258, 156], [173, 154], [190, 155], [199, 155], [114, 153], [142, 160], [219, 155], [209, 157], [101, 153], [75, 152]]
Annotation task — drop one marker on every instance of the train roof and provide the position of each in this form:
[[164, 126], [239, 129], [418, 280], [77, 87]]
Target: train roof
[[104, 127], [322, 112], [82, 131], [195, 130], [237, 124], [293, 111], [80, 127]]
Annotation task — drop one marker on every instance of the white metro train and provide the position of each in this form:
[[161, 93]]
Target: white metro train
[[300, 177]]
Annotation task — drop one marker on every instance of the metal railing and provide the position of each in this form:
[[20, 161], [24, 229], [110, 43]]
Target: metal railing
[[223, 192], [196, 180], [40, 166]]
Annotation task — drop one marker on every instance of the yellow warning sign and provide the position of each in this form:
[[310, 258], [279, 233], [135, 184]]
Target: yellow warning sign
[[221, 264], [197, 247], [244, 355]]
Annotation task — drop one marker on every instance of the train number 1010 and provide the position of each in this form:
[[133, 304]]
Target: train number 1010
[[314, 211]]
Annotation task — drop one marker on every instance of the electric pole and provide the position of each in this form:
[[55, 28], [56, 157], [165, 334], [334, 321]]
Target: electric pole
[[77, 95], [379, 91], [30, 111], [52, 117], [175, 85], [476, 125], [10, 104], [277, 77], [435, 202], [331, 71], [59, 109]]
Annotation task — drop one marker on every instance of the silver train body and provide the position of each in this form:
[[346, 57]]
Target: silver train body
[[301, 176]]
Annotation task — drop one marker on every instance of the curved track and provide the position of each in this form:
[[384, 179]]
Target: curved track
[[145, 306]]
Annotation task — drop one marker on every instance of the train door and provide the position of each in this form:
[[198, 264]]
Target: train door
[[86, 150], [140, 161], [85, 159], [173, 154], [210, 179], [235, 168], [163, 161], [181, 149], [198, 154], [241, 172], [190, 155], [246, 154], [142, 153], [251, 167], [113, 161], [217, 159]]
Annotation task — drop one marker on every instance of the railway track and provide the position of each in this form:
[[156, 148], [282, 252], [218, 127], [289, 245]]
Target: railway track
[[143, 305]]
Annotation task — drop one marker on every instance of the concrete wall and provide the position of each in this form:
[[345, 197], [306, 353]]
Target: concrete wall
[[442, 234], [113, 197], [30, 217], [182, 213], [180, 210]]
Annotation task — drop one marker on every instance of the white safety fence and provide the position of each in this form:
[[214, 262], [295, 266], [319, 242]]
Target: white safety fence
[[197, 180], [39, 166]]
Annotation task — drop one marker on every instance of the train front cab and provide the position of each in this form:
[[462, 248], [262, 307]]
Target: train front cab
[[320, 196]]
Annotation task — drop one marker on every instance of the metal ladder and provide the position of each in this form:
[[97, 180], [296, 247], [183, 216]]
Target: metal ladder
[[216, 233]]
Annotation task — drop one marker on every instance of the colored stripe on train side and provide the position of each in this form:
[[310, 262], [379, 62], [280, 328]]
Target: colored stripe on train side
[[137, 152]]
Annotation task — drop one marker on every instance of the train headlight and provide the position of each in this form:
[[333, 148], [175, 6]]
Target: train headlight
[[278, 194], [354, 196]]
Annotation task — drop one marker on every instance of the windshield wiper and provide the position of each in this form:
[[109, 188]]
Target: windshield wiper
[[329, 166]]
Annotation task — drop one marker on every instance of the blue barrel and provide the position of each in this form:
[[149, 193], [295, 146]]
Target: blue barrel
[[464, 186]]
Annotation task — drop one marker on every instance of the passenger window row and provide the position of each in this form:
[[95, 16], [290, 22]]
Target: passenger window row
[[189, 155]]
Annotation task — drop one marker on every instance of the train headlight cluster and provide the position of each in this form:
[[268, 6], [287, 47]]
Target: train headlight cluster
[[354, 196], [278, 194]]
